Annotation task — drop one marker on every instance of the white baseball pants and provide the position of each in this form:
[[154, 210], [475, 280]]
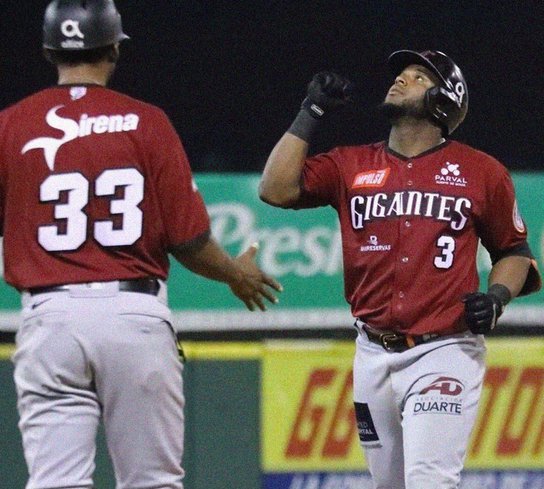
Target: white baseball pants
[[416, 409], [91, 353]]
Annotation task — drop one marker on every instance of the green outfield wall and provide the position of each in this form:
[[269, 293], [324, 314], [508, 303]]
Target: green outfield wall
[[222, 416]]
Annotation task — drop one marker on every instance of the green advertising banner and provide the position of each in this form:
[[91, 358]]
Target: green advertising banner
[[303, 250]]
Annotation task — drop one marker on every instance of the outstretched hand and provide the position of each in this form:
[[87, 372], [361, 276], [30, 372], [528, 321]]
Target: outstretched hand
[[252, 285]]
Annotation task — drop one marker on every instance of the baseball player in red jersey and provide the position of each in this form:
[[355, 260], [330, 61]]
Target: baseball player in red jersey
[[95, 192], [412, 211]]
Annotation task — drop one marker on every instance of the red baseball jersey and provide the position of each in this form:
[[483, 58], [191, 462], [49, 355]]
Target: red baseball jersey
[[410, 229], [94, 186]]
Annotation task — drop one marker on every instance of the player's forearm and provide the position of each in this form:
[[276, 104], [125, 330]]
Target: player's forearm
[[510, 271], [280, 182], [210, 261]]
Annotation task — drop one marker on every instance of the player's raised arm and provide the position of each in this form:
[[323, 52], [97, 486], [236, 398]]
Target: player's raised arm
[[280, 182], [246, 280]]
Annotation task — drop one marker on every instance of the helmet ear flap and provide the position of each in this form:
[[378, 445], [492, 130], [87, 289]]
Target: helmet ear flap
[[440, 106]]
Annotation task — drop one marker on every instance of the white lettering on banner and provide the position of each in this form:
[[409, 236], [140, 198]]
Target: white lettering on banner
[[331, 481], [284, 250], [301, 482]]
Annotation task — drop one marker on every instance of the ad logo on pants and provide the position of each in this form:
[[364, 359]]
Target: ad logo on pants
[[442, 396], [365, 425]]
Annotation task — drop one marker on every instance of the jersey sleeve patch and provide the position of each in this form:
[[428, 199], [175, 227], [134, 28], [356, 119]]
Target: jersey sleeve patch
[[517, 219]]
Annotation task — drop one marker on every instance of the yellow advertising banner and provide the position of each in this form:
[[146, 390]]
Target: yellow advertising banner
[[509, 432], [308, 423], [307, 408]]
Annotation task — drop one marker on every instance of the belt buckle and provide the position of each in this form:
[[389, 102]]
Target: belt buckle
[[385, 338]]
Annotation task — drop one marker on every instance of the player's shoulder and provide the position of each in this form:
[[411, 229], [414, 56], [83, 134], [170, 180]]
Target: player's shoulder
[[5, 113], [8, 110], [479, 160], [19, 111], [353, 158], [142, 106], [152, 118], [20, 105], [359, 151]]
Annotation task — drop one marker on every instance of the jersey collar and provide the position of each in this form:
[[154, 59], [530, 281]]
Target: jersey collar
[[420, 155]]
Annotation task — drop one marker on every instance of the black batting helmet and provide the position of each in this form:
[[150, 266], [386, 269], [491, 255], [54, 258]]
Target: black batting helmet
[[447, 103], [71, 25]]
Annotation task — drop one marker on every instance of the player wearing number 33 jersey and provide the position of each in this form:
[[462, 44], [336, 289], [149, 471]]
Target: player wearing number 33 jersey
[[128, 184], [95, 193], [412, 212]]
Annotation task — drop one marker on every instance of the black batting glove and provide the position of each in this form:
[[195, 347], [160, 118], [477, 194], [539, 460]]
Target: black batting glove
[[482, 311], [326, 93]]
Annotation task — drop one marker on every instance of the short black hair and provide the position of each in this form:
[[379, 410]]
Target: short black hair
[[81, 56]]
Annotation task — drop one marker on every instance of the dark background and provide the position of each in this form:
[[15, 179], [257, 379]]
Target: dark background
[[231, 74]]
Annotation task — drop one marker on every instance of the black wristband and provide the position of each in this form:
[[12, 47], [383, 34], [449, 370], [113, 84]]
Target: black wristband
[[501, 292], [303, 126]]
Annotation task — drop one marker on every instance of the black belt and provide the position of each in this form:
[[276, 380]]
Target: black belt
[[143, 285], [396, 342]]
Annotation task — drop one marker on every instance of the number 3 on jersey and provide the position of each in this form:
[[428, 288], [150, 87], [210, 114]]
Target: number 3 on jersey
[[71, 212], [447, 247]]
